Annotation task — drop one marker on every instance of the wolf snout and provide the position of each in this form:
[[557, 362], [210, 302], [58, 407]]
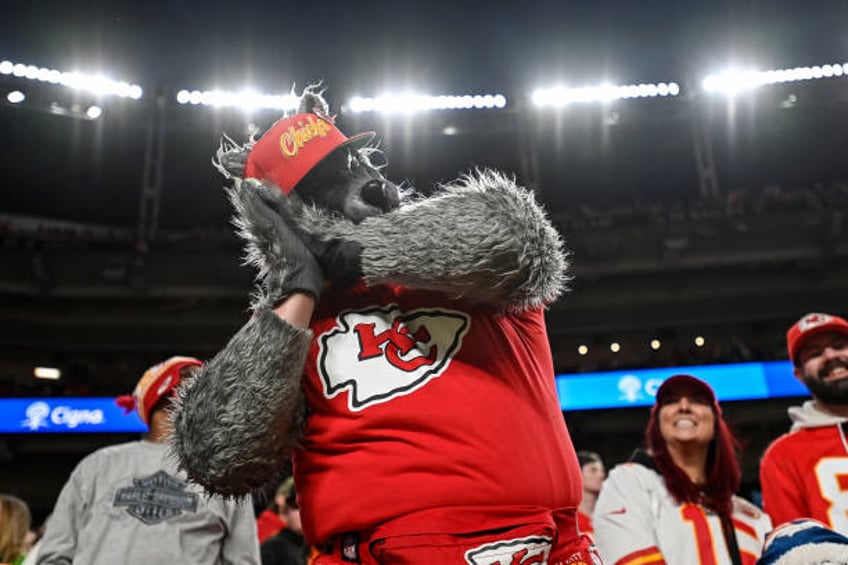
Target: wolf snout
[[381, 194]]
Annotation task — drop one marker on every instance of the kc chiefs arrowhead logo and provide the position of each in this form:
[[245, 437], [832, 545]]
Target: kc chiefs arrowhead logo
[[521, 551], [381, 353], [811, 321]]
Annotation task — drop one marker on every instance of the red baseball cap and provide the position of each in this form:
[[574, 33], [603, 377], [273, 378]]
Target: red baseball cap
[[810, 325], [156, 382], [294, 145]]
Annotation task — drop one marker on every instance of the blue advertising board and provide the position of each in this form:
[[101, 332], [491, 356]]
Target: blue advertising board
[[623, 389], [580, 391], [62, 415]]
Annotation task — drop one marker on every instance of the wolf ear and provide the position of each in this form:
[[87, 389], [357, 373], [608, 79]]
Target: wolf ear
[[312, 101], [231, 158]]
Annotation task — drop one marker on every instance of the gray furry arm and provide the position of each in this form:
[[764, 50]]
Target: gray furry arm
[[235, 422], [482, 238]]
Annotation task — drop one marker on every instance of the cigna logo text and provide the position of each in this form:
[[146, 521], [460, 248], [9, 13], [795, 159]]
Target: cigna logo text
[[40, 414]]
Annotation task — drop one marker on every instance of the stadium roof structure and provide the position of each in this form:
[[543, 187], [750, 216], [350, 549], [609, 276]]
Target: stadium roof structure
[[368, 48]]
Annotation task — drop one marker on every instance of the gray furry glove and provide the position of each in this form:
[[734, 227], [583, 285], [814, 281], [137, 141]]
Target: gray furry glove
[[283, 262], [237, 420]]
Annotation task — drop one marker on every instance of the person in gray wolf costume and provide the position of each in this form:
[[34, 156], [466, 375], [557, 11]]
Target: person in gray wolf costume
[[397, 352]]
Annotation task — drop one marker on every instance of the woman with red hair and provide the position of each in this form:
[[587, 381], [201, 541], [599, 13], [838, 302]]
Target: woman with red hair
[[675, 502]]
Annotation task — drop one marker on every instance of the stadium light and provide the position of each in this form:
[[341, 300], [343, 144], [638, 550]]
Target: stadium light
[[246, 100], [582, 350], [411, 103], [559, 96], [94, 112], [732, 81], [48, 373], [96, 84], [15, 97]]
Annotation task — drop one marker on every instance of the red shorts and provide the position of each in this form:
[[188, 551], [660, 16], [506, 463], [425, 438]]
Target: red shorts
[[521, 536]]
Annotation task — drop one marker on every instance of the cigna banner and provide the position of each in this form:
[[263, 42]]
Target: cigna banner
[[580, 391], [623, 389], [62, 415]]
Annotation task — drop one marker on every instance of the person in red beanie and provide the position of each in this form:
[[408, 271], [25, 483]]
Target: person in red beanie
[[129, 503], [804, 473], [675, 502]]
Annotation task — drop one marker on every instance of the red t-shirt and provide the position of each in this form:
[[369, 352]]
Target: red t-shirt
[[268, 524], [804, 474], [419, 402]]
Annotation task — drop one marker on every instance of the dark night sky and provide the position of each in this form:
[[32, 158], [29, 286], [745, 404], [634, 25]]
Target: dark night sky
[[457, 45], [85, 171]]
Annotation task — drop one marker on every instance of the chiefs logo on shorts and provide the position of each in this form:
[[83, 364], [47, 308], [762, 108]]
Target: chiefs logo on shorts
[[382, 353], [522, 551]]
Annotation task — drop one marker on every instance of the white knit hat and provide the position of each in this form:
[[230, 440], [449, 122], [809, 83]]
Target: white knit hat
[[804, 542]]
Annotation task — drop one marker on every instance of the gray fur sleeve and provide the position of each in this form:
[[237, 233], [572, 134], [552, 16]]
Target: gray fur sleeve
[[482, 238], [235, 422]]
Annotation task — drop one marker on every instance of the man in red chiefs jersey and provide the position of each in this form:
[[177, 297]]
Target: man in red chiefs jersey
[[804, 474]]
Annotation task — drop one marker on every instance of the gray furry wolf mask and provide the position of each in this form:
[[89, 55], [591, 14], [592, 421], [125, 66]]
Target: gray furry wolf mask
[[315, 214]]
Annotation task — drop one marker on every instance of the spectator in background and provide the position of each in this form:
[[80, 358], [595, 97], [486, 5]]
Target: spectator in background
[[594, 473], [804, 542], [675, 503], [271, 520], [14, 525], [802, 472], [288, 547], [34, 540], [129, 504]]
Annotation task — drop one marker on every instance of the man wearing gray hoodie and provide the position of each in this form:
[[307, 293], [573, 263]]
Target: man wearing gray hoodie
[[804, 473]]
